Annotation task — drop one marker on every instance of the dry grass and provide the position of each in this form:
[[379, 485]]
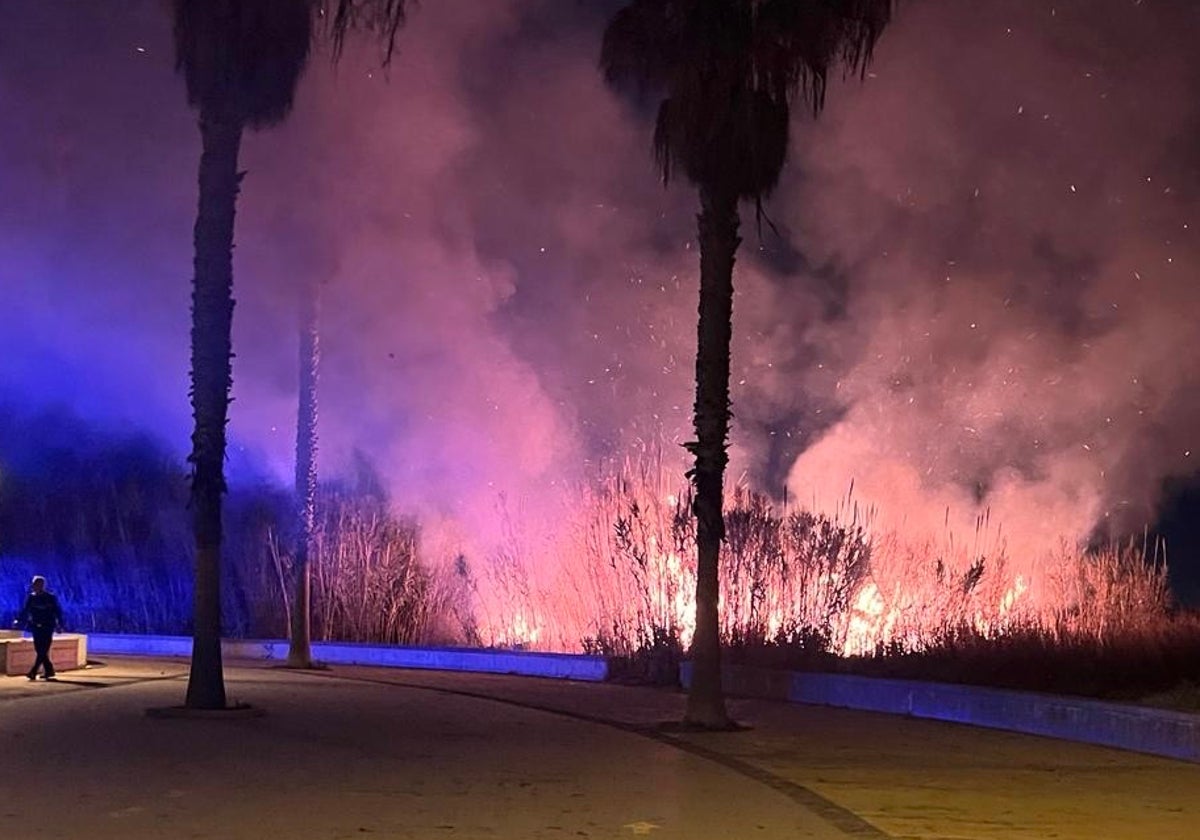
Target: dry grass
[[368, 583], [808, 591]]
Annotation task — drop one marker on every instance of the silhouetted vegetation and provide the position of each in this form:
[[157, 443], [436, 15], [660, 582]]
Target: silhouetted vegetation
[[368, 581], [1156, 658], [105, 518]]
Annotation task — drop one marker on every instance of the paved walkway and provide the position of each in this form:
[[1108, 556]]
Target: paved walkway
[[359, 752]]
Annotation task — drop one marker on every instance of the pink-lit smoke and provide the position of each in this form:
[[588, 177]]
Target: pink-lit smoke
[[1011, 202], [984, 301]]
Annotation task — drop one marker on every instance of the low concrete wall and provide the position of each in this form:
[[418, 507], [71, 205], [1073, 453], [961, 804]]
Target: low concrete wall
[[1154, 731], [522, 663]]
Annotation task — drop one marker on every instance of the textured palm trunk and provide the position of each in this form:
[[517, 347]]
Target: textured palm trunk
[[300, 647], [718, 228], [212, 377]]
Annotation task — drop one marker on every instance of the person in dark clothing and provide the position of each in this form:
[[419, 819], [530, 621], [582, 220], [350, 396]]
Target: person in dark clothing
[[41, 616]]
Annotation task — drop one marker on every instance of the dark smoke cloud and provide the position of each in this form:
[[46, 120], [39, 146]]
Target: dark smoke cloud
[[971, 304]]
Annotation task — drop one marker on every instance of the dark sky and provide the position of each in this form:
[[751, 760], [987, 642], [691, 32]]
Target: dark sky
[[984, 299]]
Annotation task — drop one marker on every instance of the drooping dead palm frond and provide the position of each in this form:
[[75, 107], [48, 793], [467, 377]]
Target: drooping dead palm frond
[[642, 45], [729, 71], [241, 59], [799, 42], [380, 17]]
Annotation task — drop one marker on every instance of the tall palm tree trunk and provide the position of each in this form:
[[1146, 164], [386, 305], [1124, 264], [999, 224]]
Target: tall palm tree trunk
[[300, 646], [718, 227], [212, 377]]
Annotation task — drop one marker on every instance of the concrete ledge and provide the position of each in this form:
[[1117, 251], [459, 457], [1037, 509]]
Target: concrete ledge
[[1145, 730], [522, 663], [68, 651]]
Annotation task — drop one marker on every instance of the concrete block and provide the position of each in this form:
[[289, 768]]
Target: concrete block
[[68, 651]]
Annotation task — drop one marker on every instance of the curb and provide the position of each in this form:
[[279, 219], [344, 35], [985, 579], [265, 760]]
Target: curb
[[1154, 731], [562, 666]]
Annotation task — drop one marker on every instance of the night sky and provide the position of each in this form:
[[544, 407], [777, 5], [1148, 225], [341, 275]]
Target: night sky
[[981, 296]]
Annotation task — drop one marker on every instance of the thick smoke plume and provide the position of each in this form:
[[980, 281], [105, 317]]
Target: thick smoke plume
[[980, 297], [1010, 201]]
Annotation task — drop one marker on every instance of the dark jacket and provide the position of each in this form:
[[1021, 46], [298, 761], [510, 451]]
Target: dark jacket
[[41, 612]]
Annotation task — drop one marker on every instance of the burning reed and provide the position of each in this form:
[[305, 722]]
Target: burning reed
[[620, 578]]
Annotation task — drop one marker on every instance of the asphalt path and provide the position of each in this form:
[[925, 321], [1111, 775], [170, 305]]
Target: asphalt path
[[360, 752]]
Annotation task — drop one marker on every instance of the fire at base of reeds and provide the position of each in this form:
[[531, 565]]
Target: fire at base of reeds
[[800, 588]]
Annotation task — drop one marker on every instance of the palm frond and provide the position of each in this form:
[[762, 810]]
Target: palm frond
[[729, 71], [863, 23], [383, 18], [641, 44], [798, 43], [241, 59]]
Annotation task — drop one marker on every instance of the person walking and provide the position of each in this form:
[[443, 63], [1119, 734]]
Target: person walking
[[41, 616]]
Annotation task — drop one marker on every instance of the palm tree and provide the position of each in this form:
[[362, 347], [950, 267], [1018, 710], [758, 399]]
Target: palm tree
[[241, 61], [728, 72], [300, 641]]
